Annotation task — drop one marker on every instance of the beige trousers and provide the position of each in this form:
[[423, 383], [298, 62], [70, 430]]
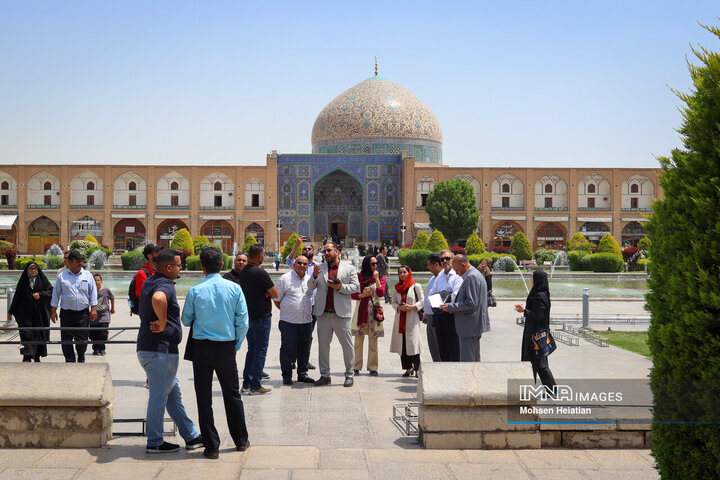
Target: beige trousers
[[372, 363]]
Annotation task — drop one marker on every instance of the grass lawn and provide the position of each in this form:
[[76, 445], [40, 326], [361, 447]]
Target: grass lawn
[[633, 341]]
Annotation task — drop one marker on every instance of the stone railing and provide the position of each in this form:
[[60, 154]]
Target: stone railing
[[52, 405]]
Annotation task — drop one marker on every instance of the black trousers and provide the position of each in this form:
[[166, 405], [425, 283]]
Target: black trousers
[[542, 369], [74, 318], [447, 338], [98, 334], [218, 357], [295, 341], [409, 361]]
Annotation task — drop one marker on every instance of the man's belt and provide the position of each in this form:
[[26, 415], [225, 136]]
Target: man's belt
[[329, 310]]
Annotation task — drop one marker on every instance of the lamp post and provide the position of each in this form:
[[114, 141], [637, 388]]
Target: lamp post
[[279, 227], [402, 226]]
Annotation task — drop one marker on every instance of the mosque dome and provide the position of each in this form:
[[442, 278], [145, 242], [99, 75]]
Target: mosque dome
[[378, 116]]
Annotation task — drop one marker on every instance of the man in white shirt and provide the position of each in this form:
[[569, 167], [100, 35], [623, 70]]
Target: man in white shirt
[[295, 303], [447, 284], [434, 265]]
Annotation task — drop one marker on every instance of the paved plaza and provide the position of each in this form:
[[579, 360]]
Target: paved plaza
[[301, 431]]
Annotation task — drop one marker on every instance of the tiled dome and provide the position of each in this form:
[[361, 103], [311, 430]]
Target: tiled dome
[[376, 108]]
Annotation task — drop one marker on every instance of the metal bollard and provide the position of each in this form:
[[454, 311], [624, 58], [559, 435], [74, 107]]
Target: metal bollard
[[586, 309], [10, 295]]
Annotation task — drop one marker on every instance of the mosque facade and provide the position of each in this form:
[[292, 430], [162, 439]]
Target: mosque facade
[[376, 154]]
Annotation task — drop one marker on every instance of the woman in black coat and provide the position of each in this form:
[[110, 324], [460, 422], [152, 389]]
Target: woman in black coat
[[537, 317], [31, 308]]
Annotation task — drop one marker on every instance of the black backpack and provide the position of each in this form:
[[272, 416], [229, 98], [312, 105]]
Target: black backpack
[[133, 300]]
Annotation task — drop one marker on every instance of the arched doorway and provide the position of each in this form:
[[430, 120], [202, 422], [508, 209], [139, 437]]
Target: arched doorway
[[86, 226], [219, 232], [550, 235], [503, 233], [594, 231], [256, 231], [9, 235], [128, 234], [167, 230], [338, 207], [632, 233], [40, 233]]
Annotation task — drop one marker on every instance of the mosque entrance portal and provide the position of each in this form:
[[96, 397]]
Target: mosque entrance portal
[[338, 207]]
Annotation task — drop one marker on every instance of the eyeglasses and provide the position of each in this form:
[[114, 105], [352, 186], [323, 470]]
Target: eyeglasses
[[302, 264], [372, 264], [328, 250], [446, 258], [307, 248]]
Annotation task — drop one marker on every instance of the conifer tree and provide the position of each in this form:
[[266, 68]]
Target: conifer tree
[[520, 247], [183, 241], [421, 241], [437, 242], [608, 244], [474, 245]]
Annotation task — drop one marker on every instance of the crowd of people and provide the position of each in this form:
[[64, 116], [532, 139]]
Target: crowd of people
[[222, 312]]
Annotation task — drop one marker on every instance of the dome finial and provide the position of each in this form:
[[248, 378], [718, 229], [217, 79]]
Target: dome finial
[[376, 66]]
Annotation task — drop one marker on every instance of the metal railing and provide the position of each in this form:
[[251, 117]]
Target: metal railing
[[129, 207], [643, 209], [173, 207], [3, 207], [41, 206], [594, 209], [250, 207], [507, 209], [551, 209], [77, 207], [75, 341], [215, 207], [405, 418]]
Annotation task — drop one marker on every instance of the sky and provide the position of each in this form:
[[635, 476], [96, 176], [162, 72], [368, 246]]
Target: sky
[[513, 84]]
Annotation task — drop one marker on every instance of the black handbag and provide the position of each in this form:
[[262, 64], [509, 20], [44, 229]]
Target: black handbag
[[491, 300], [189, 345]]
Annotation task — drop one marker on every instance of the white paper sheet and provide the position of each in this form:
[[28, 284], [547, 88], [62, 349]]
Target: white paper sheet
[[435, 300]]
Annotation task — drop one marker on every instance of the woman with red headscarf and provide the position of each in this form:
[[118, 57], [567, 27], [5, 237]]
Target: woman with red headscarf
[[406, 338], [372, 288]]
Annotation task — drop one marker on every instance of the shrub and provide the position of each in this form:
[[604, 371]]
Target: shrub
[[402, 255], [193, 262], [227, 261], [198, 241], [631, 255], [250, 240], [10, 254], [577, 242], [200, 247], [608, 244], [640, 265], [585, 263], [47, 246], [437, 242], [500, 249], [605, 262], [417, 260], [96, 261], [182, 241], [90, 238], [476, 259], [458, 250], [543, 255], [289, 245], [21, 263], [474, 245], [82, 245], [132, 260], [54, 249], [520, 247], [421, 241], [575, 258], [5, 245], [644, 244], [53, 262]]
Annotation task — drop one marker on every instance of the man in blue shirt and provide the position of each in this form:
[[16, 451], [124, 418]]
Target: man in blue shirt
[[157, 350], [76, 294], [217, 312]]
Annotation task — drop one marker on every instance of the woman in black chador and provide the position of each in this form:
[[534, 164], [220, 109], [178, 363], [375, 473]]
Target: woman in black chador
[[31, 308], [537, 317]]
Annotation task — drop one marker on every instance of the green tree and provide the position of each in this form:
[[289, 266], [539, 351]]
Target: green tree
[[576, 242], [90, 238], [199, 240], [452, 210], [290, 244], [421, 241], [182, 241], [520, 247], [250, 240], [474, 245], [608, 244], [437, 242], [684, 282], [644, 244]]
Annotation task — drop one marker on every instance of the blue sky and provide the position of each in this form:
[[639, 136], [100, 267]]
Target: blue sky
[[517, 83]]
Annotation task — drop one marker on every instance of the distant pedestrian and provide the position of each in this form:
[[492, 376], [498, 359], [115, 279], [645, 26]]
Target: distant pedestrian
[[485, 268], [537, 316], [372, 289], [31, 308], [278, 259], [408, 300], [105, 308], [217, 312], [75, 293], [157, 350], [383, 267]]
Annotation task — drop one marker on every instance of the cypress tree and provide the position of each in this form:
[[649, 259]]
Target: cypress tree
[[437, 242], [520, 247], [474, 245], [684, 285], [421, 241], [250, 240], [608, 244], [183, 241]]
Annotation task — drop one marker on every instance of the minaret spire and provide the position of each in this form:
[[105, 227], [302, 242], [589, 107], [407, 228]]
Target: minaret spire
[[376, 66]]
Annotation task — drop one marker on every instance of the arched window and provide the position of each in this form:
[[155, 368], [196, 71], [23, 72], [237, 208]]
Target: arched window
[[132, 186], [47, 186], [591, 188], [634, 188], [90, 186], [506, 188], [548, 188], [174, 186], [5, 186], [217, 186]]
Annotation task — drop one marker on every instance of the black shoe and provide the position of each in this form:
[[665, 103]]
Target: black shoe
[[95, 352], [348, 382], [287, 381], [212, 455], [356, 372], [323, 381], [373, 373], [194, 443], [311, 366], [165, 447], [27, 359], [81, 360], [407, 373], [305, 379], [265, 375], [243, 446]]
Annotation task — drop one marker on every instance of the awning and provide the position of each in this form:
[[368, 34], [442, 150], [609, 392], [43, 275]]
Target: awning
[[552, 219], [216, 217], [594, 219], [508, 217], [6, 221], [635, 219], [422, 226]]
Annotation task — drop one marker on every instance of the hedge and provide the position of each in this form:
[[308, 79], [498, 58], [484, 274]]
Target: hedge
[[543, 255], [402, 255], [605, 262], [416, 260], [202, 246], [90, 238], [577, 242], [199, 240], [193, 262], [640, 265], [132, 260], [53, 262], [476, 259], [20, 263], [575, 259]]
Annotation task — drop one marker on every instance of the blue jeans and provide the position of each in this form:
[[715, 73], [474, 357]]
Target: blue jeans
[[258, 336], [161, 371]]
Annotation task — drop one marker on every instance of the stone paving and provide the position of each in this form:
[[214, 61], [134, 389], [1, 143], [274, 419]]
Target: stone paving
[[306, 432]]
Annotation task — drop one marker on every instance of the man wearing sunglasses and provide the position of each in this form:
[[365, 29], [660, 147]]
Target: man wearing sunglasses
[[335, 282], [308, 252], [447, 284]]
